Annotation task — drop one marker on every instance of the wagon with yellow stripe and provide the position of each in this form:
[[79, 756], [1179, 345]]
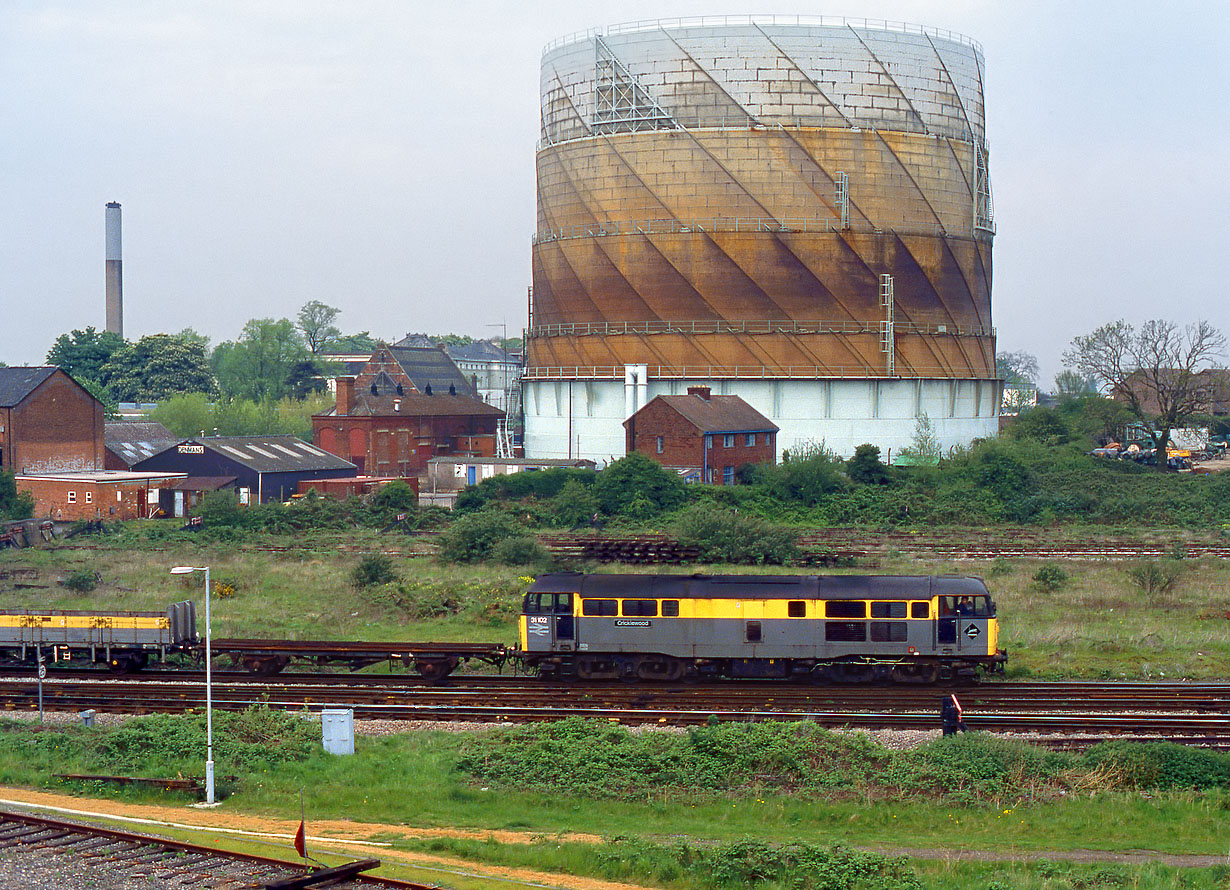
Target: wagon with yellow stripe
[[122, 640]]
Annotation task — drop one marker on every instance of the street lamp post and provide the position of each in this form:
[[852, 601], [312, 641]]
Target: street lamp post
[[209, 688]]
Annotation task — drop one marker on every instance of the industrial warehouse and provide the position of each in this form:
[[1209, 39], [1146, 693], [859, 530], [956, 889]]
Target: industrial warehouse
[[797, 214]]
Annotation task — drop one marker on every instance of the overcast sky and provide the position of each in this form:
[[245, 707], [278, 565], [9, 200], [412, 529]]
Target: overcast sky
[[379, 156]]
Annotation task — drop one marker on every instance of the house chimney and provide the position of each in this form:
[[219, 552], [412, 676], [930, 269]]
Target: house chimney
[[702, 391], [345, 395]]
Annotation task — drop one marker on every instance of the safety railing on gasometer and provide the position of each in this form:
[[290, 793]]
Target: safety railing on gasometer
[[764, 326]]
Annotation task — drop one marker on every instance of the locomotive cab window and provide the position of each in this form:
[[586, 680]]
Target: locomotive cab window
[[640, 608], [888, 610], [670, 608], [845, 609], [600, 607], [796, 609], [966, 606], [547, 603], [920, 609]]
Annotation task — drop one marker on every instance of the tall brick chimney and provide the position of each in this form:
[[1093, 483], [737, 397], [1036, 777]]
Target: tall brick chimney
[[345, 395], [702, 391]]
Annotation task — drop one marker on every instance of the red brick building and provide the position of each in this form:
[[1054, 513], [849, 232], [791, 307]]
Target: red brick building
[[700, 431], [405, 407], [96, 494], [48, 423]]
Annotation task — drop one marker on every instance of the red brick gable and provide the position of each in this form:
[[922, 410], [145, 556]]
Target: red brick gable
[[383, 362]]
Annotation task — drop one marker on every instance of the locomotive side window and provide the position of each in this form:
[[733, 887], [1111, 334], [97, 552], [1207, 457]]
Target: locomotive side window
[[600, 607], [845, 609], [670, 608], [796, 609], [888, 610], [845, 631], [753, 631], [640, 608], [920, 609], [888, 631], [563, 602]]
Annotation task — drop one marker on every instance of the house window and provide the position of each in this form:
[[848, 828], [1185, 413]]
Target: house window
[[659, 444], [728, 440], [89, 497], [708, 441], [749, 440], [72, 497], [728, 475]]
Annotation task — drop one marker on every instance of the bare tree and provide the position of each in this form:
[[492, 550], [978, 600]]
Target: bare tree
[[1017, 368], [1157, 371], [316, 322]]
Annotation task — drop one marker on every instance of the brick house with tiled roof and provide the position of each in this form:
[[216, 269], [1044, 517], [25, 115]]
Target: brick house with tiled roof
[[407, 405], [710, 435]]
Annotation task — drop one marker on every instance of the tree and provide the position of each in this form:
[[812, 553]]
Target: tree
[[354, 344], [1069, 385], [1017, 368], [1155, 371], [12, 504], [82, 354], [156, 367], [316, 323], [865, 467], [925, 448], [636, 475], [111, 410], [806, 474], [257, 365], [305, 377]]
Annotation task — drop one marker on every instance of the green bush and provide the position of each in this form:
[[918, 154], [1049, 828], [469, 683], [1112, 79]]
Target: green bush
[[865, 468], [473, 536], [807, 474], [1050, 577], [575, 505], [1160, 765], [373, 569], [638, 487], [1155, 577], [735, 538], [81, 581], [14, 505], [520, 551], [751, 864], [220, 508], [541, 485]]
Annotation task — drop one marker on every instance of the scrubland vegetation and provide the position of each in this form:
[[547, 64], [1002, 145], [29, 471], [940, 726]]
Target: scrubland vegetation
[[770, 805]]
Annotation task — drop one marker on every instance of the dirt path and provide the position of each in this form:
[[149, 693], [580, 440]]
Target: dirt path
[[371, 838], [331, 835]]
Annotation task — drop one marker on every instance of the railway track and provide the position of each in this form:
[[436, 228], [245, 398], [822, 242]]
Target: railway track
[[1189, 711], [826, 546], [56, 847]]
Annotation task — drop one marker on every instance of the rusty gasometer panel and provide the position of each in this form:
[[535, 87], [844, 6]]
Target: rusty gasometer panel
[[724, 199]]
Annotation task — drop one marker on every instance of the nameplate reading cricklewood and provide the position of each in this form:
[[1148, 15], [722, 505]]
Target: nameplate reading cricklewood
[[623, 622]]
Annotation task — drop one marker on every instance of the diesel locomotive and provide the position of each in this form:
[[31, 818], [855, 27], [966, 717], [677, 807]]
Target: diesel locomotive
[[835, 628]]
